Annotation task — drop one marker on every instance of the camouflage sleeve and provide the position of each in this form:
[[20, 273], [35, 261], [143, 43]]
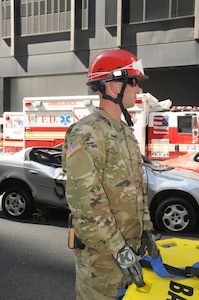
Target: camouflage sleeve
[[63, 159], [147, 224], [95, 225]]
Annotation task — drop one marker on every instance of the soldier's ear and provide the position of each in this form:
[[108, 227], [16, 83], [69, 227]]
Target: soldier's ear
[[114, 87]]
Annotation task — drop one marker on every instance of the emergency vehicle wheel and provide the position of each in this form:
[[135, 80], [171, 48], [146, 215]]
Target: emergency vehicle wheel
[[175, 215], [17, 203]]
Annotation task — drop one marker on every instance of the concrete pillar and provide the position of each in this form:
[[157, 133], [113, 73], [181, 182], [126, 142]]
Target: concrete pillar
[[196, 26]]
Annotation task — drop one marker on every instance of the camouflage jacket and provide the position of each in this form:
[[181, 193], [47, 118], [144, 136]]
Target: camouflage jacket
[[104, 188]]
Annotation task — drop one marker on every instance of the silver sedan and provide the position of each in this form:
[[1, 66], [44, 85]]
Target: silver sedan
[[34, 177], [173, 197], [29, 178]]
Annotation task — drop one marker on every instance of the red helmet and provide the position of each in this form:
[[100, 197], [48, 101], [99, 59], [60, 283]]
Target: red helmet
[[115, 64]]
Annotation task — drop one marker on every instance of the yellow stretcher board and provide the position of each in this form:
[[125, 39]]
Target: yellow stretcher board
[[177, 253]]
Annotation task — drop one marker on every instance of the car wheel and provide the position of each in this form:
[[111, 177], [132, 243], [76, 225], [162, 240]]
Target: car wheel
[[175, 215], [17, 203]]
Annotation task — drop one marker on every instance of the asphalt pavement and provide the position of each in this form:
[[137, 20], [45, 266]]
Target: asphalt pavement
[[35, 262]]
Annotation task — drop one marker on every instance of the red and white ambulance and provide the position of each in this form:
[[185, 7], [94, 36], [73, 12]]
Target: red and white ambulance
[[46, 119], [164, 131], [173, 133], [13, 131]]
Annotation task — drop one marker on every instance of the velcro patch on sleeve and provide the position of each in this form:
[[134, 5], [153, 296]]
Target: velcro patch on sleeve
[[76, 145]]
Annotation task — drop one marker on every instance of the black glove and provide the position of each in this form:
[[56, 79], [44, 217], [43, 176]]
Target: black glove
[[148, 243], [130, 266]]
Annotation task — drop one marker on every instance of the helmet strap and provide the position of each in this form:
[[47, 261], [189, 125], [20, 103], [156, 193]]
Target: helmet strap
[[118, 100]]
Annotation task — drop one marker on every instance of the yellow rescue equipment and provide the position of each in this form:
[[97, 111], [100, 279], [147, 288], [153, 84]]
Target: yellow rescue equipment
[[179, 253]]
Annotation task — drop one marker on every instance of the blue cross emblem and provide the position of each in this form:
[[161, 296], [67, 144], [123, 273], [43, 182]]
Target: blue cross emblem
[[65, 119]]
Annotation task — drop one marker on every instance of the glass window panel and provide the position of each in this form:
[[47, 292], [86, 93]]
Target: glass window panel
[[111, 12], [182, 8], [49, 7], [7, 12], [56, 6], [62, 5], [136, 11], [42, 7], [23, 10], [156, 9], [35, 8], [174, 9], [3, 13], [29, 9], [68, 5]]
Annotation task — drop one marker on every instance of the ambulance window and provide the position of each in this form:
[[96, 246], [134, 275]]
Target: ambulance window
[[184, 124]]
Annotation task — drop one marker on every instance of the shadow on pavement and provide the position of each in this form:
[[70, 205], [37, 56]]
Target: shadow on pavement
[[52, 216]]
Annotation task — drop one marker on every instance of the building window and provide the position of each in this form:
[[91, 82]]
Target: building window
[[84, 14], [6, 18], [136, 11], [81, 14], [182, 8], [44, 16], [111, 13], [153, 10], [156, 10]]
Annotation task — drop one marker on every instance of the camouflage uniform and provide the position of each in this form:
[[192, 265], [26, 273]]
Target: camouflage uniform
[[105, 192]]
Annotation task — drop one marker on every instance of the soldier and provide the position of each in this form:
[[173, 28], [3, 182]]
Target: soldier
[[105, 189]]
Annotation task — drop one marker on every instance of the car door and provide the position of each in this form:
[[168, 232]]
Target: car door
[[47, 183]]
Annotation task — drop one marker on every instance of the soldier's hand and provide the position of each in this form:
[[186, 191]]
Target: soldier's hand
[[130, 266], [148, 243]]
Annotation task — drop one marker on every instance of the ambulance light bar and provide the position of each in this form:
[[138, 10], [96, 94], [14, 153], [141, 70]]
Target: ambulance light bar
[[138, 101], [28, 103], [185, 108]]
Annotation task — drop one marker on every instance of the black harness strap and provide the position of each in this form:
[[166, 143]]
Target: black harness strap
[[118, 100], [188, 271]]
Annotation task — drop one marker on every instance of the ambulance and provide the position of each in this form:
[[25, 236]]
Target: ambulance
[[164, 131], [12, 132], [173, 133], [145, 104], [46, 119]]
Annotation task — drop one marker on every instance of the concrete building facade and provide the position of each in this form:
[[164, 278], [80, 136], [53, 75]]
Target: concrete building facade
[[46, 46]]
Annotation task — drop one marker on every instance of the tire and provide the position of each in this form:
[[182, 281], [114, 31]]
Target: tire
[[17, 203], [175, 215]]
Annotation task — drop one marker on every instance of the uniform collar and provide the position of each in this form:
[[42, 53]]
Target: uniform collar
[[117, 125]]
